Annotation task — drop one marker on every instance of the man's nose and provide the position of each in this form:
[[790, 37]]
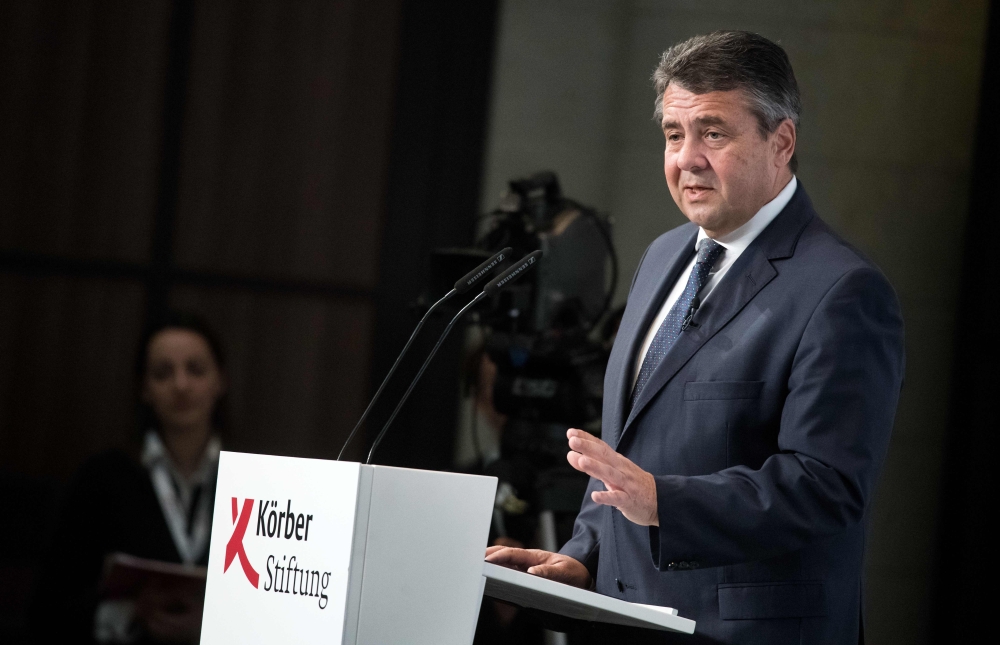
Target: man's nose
[[691, 156]]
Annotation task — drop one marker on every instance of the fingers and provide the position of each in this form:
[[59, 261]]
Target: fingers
[[612, 478], [565, 570], [610, 498], [520, 559], [637, 503], [550, 571], [587, 444], [494, 549], [630, 489], [543, 564], [599, 460]]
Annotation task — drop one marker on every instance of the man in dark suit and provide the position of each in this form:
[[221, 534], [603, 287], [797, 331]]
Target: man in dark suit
[[752, 387]]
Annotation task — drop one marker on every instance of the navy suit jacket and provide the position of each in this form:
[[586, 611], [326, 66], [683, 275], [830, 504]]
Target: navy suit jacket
[[765, 427]]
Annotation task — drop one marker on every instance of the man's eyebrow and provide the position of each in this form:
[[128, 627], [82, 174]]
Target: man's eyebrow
[[701, 121], [710, 119]]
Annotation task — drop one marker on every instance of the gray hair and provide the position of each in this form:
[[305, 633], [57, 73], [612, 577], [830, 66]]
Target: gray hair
[[730, 60]]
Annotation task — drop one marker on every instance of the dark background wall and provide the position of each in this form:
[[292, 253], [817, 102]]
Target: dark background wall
[[286, 169], [225, 157], [963, 563], [282, 168]]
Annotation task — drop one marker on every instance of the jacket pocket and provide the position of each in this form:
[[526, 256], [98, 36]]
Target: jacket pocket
[[749, 600], [722, 390]]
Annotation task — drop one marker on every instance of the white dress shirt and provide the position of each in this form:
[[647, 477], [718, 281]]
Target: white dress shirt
[[184, 500], [734, 243], [188, 512]]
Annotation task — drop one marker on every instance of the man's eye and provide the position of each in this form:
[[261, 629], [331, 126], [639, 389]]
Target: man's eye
[[673, 137], [714, 136]]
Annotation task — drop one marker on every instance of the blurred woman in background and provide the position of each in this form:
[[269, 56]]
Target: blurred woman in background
[[155, 503]]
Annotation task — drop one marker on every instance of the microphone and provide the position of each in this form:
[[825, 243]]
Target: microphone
[[463, 285], [690, 314], [472, 277], [514, 272]]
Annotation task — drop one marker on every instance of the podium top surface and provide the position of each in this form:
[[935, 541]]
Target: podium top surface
[[526, 590]]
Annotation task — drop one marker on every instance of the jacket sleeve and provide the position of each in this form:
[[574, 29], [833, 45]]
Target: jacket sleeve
[[585, 544], [843, 387]]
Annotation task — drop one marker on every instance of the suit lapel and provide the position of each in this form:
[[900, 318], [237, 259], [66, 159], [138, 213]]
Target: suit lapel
[[729, 297], [744, 280], [633, 331]]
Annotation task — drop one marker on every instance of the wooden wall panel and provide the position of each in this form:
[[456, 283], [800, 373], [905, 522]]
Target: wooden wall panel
[[66, 385], [80, 131], [286, 139]]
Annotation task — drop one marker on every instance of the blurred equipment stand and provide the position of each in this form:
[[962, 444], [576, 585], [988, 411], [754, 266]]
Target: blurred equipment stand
[[535, 359], [548, 540]]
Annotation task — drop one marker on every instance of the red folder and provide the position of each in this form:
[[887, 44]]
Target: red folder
[[126, 575]]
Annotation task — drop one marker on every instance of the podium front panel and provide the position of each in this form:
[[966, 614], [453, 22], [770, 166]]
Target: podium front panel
[[280, 554]]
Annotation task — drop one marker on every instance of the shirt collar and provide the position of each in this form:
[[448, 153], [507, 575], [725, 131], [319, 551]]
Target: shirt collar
[[155, 453], [737, 241]]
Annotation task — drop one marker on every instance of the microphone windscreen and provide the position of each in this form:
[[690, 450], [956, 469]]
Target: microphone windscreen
[[472, 277], [513, 273]]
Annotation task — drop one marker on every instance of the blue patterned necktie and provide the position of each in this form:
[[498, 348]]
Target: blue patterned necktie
[[673, 324]]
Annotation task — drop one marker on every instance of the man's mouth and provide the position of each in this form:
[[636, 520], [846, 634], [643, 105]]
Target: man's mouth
[[696, 191]]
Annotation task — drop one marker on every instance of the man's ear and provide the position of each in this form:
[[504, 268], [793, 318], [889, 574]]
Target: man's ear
[[783, 140]]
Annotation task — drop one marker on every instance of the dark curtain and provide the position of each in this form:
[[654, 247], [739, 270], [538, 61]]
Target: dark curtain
[[968, 502], [283, 168]]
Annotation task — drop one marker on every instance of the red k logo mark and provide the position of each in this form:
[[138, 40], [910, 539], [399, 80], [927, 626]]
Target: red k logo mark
[[235, 546]]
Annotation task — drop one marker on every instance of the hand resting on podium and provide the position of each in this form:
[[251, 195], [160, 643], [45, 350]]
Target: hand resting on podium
[[544, 564]]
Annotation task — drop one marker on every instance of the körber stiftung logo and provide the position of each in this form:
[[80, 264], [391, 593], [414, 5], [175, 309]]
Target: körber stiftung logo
[[284, 575], [235, 547]]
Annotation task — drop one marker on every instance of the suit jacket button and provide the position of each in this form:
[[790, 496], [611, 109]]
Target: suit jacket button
[[621, 587], [695, 564], [671, 566], [683, 564]]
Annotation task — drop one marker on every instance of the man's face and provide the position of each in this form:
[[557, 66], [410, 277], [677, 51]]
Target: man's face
[[719, 168]]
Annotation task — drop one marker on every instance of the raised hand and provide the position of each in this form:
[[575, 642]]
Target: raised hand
[[630, 489]]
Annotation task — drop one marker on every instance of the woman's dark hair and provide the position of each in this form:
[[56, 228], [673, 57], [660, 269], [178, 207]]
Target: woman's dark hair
[[190, 322]]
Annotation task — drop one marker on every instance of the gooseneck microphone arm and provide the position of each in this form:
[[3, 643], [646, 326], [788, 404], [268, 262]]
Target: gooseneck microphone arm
[[423, 367], [392, 371], [463, 285], [508, 276]]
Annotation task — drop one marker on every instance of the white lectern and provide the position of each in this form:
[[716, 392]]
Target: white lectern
[[314, 551]]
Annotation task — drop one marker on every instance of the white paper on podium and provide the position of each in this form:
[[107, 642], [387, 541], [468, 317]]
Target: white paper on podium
[[526, 590]]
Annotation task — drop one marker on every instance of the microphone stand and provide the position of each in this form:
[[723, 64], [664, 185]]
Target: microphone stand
[[423, 367], [512, 273], [392, 371], [463, 285]]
